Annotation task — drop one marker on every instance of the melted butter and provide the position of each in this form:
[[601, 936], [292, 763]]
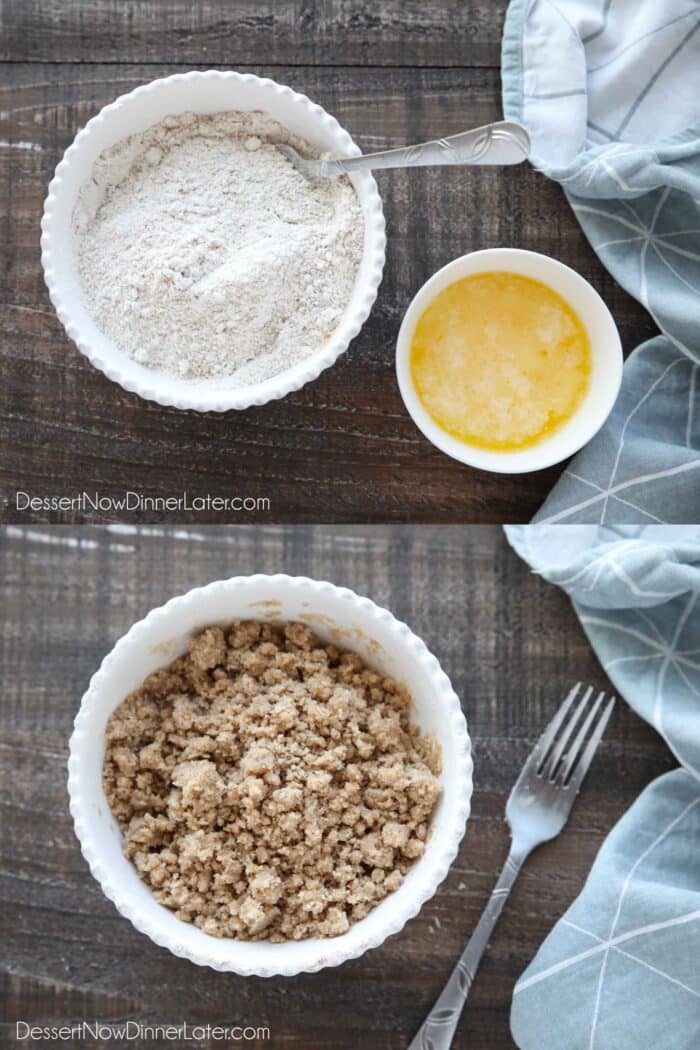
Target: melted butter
[[500, 361]]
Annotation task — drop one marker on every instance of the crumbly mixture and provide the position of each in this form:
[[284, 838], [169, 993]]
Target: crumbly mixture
[[203, 252], [268, 785]]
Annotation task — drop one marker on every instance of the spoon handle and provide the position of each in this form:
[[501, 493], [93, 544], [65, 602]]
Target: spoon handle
[[502, 143]]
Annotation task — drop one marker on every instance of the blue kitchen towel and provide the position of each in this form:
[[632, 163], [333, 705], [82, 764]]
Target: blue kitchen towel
[[621, 969], [610, 93]]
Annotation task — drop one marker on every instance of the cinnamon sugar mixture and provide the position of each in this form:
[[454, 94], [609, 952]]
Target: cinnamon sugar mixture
[[270, 786]]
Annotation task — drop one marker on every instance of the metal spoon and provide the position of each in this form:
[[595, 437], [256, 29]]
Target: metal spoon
[[501, 143]]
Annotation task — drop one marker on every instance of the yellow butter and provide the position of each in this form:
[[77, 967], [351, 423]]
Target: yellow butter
[[500, 361]]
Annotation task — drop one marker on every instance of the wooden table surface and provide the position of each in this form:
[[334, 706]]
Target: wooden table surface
[[512, 646], [343, 448]]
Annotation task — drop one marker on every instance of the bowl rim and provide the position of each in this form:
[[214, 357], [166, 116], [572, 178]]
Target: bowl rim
[[556, 448], [334, 951], [149, 386]]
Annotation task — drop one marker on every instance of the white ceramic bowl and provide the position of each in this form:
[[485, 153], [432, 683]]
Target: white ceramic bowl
[[337, 615], [199, 92], [605, 347]]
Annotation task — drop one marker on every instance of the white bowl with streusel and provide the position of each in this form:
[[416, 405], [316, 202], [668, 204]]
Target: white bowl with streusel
[[269, 775]]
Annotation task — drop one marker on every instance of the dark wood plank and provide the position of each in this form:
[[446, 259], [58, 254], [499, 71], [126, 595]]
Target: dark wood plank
[[511, 645], [327, 33], [343, 448]]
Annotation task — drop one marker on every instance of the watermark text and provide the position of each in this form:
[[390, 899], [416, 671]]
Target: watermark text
[[130, 1031], [133, 502]]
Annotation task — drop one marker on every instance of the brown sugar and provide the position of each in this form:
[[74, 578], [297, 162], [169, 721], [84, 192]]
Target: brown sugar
[[268, 785]]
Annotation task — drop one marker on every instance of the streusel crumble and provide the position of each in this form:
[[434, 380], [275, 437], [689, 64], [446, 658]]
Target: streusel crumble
[[269, 785]]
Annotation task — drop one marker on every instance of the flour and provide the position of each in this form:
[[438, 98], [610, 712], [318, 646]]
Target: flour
[[203, 252]]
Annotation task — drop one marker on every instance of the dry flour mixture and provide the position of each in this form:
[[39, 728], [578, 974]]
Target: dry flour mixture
[[203, 252]]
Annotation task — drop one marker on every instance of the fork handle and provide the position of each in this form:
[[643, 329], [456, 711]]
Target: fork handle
[[503, 142], [438, 1029]]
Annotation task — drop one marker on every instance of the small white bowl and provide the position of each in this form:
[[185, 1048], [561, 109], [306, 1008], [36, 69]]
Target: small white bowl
[[335, 614], [199, 92], [605, 348]]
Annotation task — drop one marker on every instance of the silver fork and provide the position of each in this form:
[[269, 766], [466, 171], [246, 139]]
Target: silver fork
[[504, 142], [536, 811]]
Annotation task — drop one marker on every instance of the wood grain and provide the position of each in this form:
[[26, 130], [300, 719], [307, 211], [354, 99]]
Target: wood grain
[[511, 645], [286, 32], [341, 449]]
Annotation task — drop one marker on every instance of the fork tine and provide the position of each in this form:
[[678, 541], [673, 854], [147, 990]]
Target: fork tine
[[575, 748], [301, 164], [563, 738], [587, 757], [545, 741]]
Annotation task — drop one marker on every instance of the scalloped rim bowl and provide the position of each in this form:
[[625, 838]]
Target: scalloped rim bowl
[[200, 92], [335, 614]]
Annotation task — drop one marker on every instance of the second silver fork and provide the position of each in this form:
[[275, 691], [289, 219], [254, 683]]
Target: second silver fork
[[536, 811]]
